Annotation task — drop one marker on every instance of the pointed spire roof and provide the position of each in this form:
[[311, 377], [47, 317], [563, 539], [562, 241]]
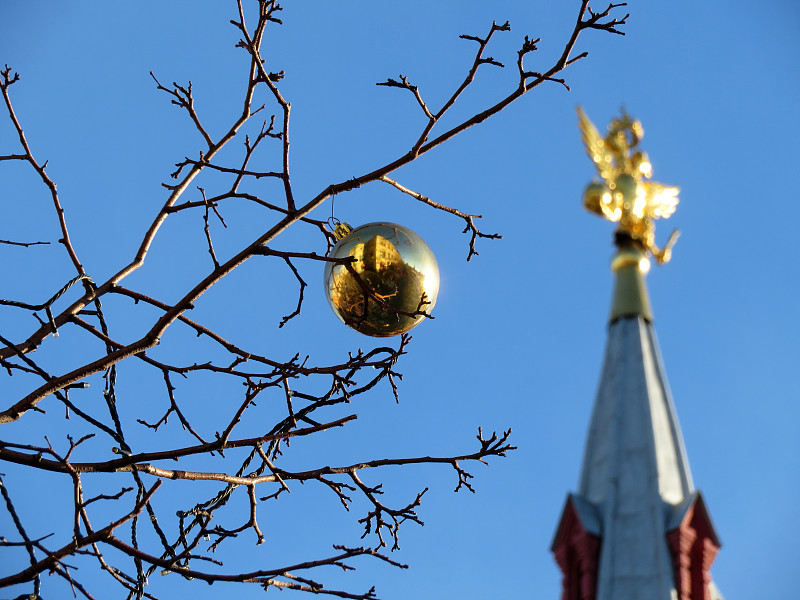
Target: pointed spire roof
[[634, 463], [634, 431], [635, 486]]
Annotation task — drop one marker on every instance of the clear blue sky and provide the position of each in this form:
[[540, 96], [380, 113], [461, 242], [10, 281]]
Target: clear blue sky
[[519, 331]]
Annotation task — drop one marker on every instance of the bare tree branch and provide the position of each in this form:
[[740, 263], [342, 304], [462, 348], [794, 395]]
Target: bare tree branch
[[268, 399]]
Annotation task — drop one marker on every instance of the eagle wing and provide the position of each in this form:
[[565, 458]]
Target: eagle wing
[[660, 200], [596, 147]]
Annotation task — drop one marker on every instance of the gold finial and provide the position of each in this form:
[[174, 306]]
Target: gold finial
[[623, 195]]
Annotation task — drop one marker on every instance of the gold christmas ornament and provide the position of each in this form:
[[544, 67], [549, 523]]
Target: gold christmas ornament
[[390, 283]]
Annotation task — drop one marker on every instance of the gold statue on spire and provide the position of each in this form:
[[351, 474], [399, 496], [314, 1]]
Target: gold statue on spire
[[624, 196]]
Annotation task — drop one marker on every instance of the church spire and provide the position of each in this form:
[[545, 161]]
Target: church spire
[[636, 528]]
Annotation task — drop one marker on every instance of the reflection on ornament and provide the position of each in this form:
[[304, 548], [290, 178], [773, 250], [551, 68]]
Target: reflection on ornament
[[391, 281]]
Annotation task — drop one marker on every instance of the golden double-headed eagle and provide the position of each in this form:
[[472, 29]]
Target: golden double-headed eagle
[[623, 195]]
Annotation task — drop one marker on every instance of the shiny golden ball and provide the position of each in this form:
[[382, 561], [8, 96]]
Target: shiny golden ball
[[390, 281]]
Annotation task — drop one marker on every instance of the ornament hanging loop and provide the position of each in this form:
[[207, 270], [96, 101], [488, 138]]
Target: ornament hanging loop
[[340, 230]]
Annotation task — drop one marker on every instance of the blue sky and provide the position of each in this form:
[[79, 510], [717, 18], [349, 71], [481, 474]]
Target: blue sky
[[519, 331]]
